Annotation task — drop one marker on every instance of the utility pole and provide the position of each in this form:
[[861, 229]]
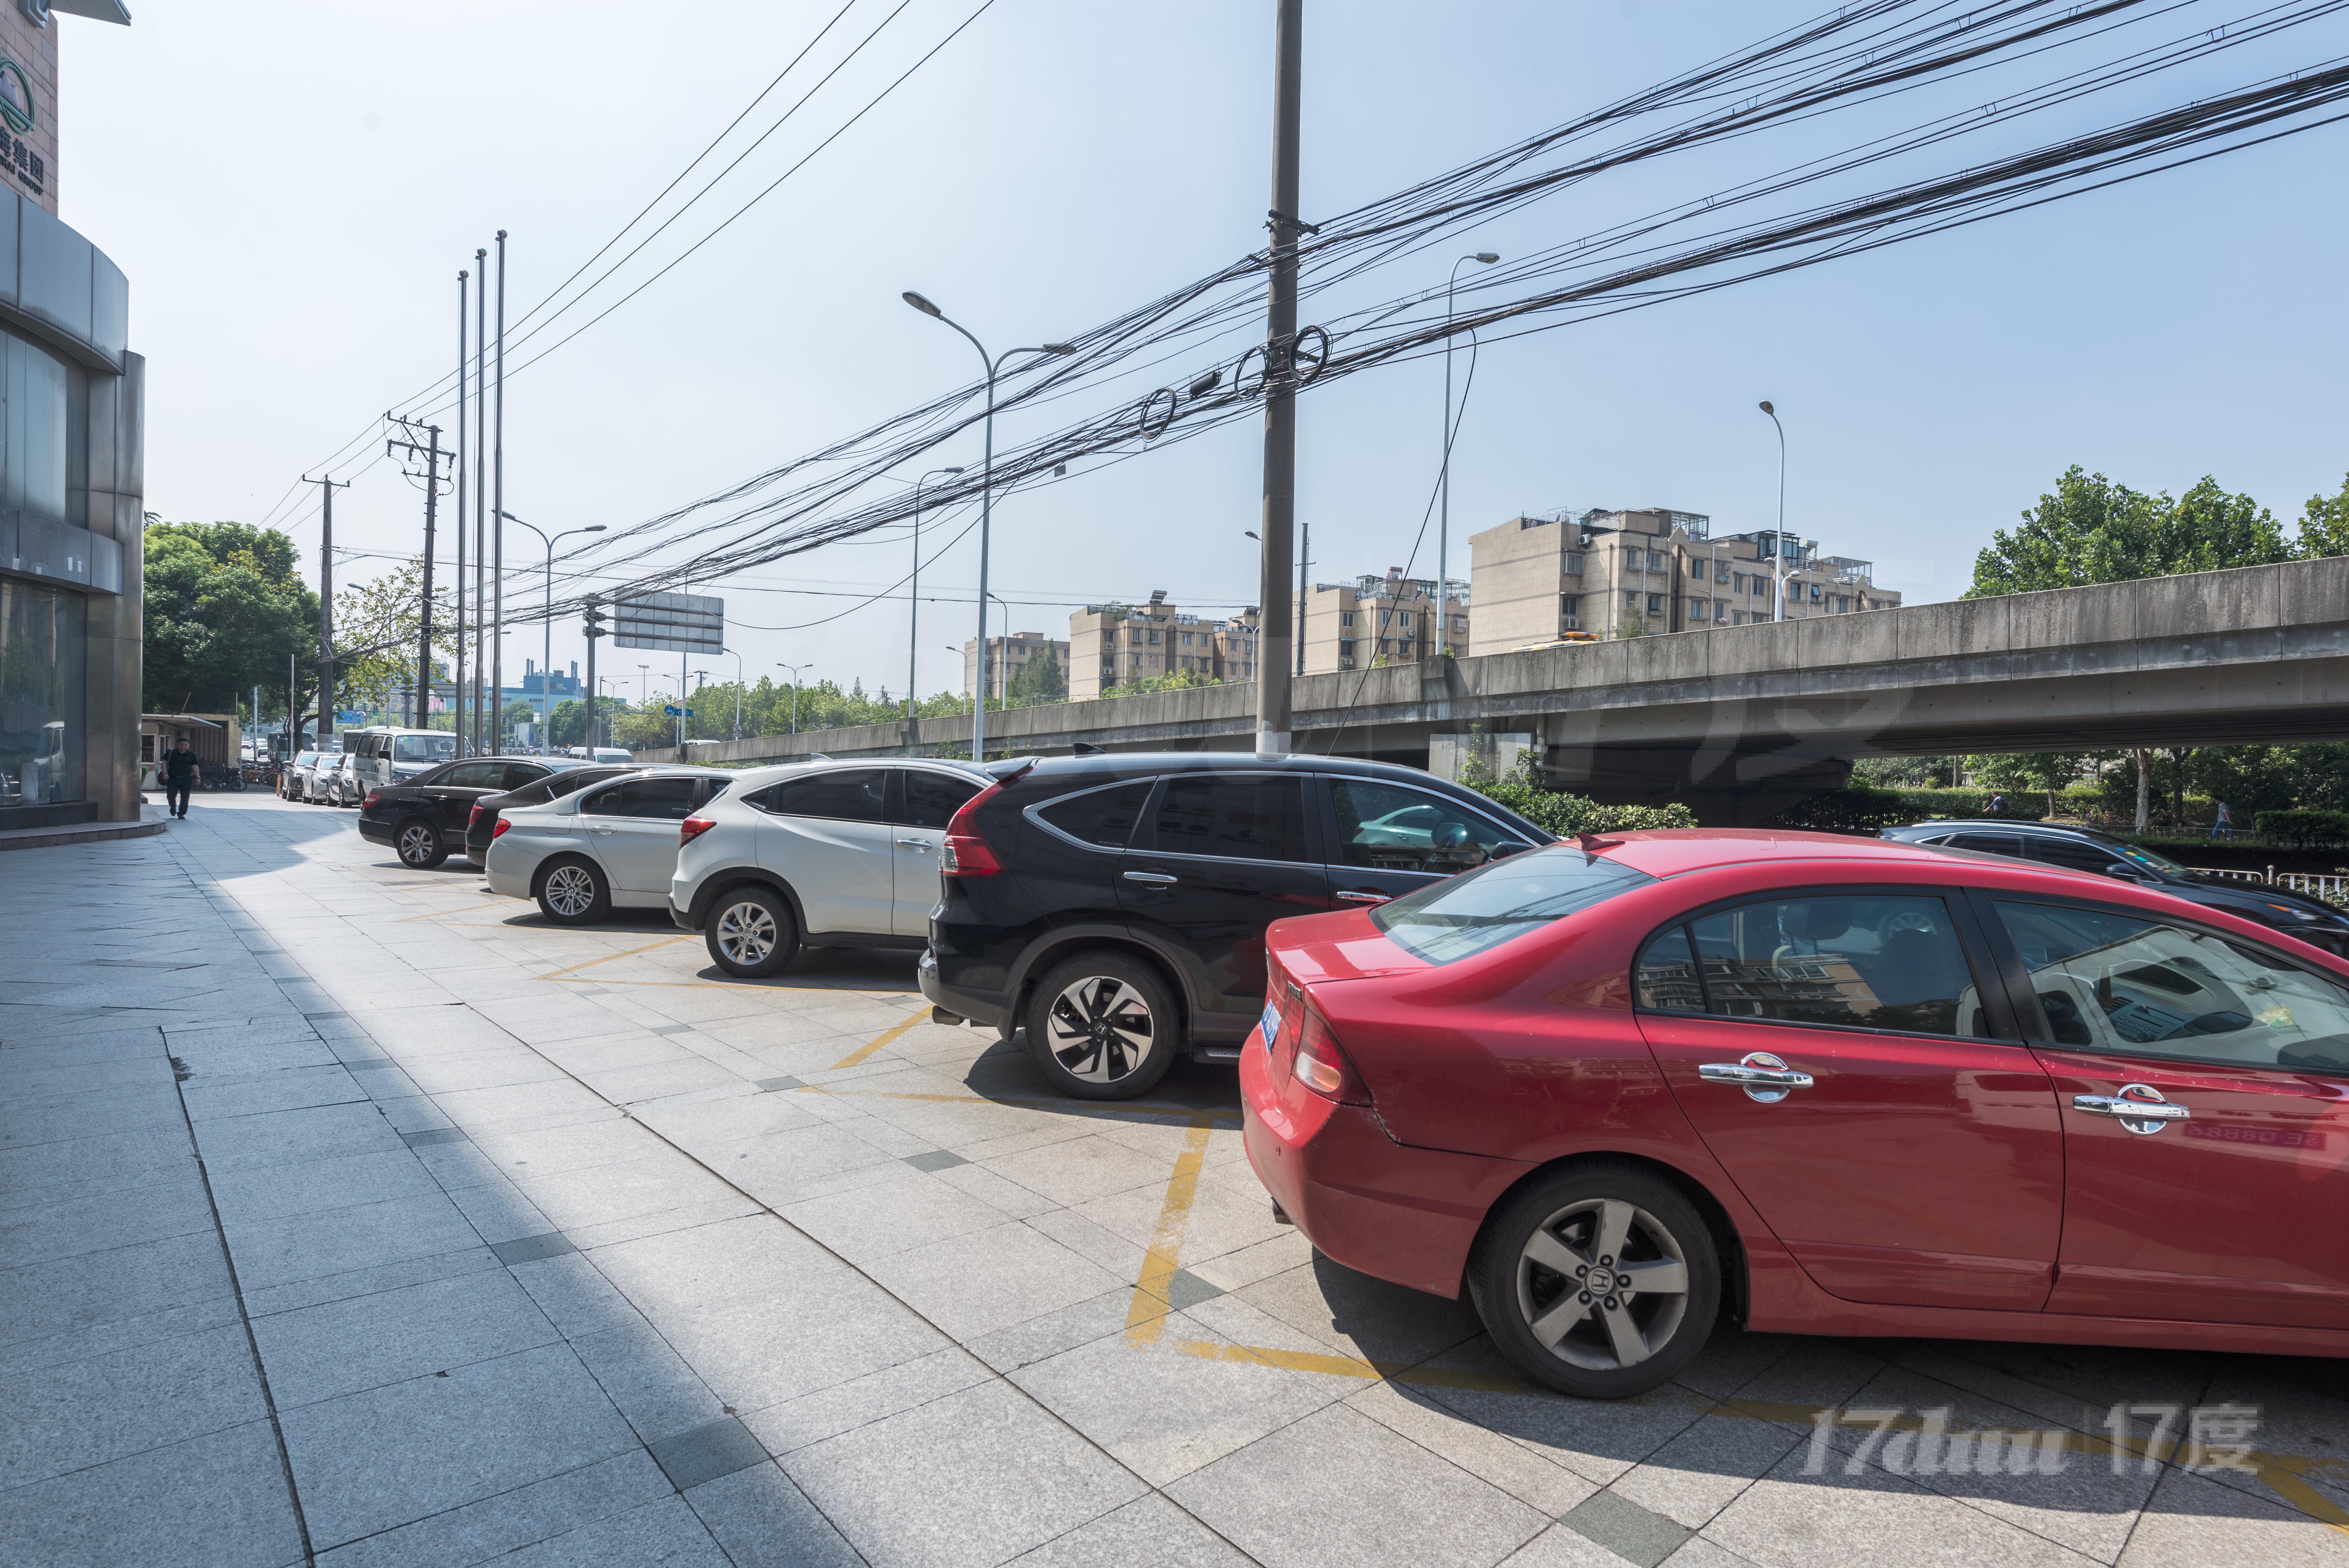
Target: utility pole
[[593, 615], [422, 707], [497, 526], [326, 487], [457, 687], [480, 491], [1304, 560], [1273, 719]]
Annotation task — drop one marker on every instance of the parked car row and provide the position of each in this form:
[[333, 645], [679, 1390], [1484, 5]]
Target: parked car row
[[1956, 1081]]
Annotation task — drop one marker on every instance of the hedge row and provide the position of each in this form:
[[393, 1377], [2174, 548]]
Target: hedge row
[[2305, 830], [1863, 808], [1562, 813]]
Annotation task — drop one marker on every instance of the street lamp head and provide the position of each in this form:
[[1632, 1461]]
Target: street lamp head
[[593, 528], [1488, 257], [1252, 534], [1060, 348], [1767, 409], [919, 303]]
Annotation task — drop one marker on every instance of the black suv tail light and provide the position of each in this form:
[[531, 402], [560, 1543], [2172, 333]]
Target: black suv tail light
[[965, 853]]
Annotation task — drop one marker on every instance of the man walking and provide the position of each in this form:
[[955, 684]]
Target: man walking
[[181, 771], [2224, 826]]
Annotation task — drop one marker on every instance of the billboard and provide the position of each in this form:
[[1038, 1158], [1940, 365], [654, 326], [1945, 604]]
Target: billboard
[[673, 623]]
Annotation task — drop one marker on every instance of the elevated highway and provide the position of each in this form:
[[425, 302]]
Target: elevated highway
[[1739, 721]]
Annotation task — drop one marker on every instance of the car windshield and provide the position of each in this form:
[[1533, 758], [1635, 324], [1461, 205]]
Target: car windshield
[[424, 749], [1466, 914]]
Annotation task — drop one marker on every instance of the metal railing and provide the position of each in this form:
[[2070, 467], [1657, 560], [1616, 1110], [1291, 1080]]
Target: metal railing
[[2332, 886]]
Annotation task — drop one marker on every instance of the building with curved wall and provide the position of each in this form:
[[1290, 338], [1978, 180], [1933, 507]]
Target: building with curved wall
[[72, 426]]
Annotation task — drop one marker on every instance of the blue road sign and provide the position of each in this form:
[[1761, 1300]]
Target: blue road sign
[[676, 712]]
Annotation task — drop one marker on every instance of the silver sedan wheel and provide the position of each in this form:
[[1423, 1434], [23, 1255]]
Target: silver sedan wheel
[[416, 842], [1603, 1284], [1101, 1029], [571, 890], [746, 934]]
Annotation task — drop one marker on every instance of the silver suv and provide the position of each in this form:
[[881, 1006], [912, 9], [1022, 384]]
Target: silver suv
[[829, 854], [608, 846]]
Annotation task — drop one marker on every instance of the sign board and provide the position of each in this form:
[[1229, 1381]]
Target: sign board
[[354, 716], [676, 712], [673, 623]]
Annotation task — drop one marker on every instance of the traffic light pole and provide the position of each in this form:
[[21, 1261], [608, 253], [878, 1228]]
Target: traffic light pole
[[595, 618], [327, 487]]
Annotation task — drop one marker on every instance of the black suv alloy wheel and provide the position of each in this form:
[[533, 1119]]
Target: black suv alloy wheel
[[1102, 1025]]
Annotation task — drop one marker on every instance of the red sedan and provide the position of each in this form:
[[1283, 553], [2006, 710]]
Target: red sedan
[[1828, 1086]]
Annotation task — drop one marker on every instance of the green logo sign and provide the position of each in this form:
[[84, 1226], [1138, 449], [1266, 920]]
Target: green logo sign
[[15, 97]]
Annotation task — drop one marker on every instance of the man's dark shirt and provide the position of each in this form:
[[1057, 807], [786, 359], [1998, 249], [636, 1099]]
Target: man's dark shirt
[[179, 765]]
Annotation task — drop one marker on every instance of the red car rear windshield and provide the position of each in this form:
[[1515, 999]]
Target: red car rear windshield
[[1465, 915]]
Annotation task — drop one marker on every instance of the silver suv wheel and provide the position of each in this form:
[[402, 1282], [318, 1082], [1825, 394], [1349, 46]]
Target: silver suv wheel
[[745, 933], [571, 890]]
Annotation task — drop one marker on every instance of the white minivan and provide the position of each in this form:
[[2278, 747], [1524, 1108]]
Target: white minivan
[[384, 756]]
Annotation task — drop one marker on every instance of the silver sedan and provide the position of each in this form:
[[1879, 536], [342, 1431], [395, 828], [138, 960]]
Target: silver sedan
[[613, 846]]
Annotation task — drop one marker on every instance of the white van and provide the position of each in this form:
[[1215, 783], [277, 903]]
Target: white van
[[385, 756]]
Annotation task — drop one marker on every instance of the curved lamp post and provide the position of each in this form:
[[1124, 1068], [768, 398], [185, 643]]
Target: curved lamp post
[[546, 649], [795, 670], [986, 485], [1778, 545]]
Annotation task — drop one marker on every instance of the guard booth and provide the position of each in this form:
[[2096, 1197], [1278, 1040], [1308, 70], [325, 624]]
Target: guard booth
[[214, 737]]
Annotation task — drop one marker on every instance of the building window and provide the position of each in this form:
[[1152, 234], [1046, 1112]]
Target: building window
[[1655, 603], [1573, 565], [1720, 611], [1700, 610], [1632, 602], [1402, 620], [1815, 594], [1739, 586], [1345, 617], [1570, 603], [1721, 572], [1136, 634]]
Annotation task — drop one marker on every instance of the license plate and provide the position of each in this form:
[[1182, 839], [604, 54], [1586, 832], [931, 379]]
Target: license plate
[[1270, 1025]]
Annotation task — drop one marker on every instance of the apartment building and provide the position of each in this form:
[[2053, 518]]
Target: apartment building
[[1006, 660], [1118, 644], [1608, 573], [1352, 625]]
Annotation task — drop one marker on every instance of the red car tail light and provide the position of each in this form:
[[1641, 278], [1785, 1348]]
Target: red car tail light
[[965, 853], [691, 829], [474, 820], [500, 828], [1321, 1066]]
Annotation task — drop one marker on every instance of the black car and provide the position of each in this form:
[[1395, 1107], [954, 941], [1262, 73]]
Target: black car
[[482, 825], [425, 817], [2312, 919], [1115, 906]]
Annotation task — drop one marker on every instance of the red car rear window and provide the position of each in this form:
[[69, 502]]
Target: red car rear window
[[1467, 914]]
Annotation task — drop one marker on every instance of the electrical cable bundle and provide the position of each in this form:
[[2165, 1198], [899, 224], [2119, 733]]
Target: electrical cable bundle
[[1863, 55]]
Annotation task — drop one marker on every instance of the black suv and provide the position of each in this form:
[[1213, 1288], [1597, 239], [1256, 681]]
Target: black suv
[[424, 819], [1115, 906], [2312, 919], [481, 826]]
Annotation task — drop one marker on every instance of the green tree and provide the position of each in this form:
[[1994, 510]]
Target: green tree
[[386, 614], [224, 610], [1043, 681], [2091, 530], [2324, 524], [2041, 771], [1176, 680]]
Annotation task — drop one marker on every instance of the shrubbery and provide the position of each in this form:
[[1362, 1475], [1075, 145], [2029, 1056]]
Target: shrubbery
[[1860, 809], [2305, 830], [1562, 813]]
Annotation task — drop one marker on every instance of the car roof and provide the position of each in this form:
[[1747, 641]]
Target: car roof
[[1674, 852], [2002, 825], [787, 769]]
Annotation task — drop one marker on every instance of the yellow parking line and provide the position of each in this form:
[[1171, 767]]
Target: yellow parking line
[[879, 1040], [1145, 1318], [607, 958], [1349, 1366]]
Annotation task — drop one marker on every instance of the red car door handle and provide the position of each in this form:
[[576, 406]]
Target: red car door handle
[[1763, 1076], [2137, 1107]]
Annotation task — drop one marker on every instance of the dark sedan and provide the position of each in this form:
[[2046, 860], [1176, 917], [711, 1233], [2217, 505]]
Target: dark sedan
[[2312, 919], [482, 826], [424, 819]]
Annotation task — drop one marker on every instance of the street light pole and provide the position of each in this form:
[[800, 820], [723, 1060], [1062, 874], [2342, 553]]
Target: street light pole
[[546, 646], [795, 670], [738, 678], [913, 624], [986, 485], [1778, 545], [1444, 478]]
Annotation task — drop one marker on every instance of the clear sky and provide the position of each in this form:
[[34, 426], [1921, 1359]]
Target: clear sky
[[291, 189]]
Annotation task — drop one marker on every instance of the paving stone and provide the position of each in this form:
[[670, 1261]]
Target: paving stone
[[1148, 1530], [1378, 1499], [985, 1280], [491, 1528], [93, 1222], [972, 1479], [74, 1414], [762, 1519], [214, 1502], [342, 1347], [306, 1246], [390, 1455], [63, 1294], [1626, 1529], [706, 1452]]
